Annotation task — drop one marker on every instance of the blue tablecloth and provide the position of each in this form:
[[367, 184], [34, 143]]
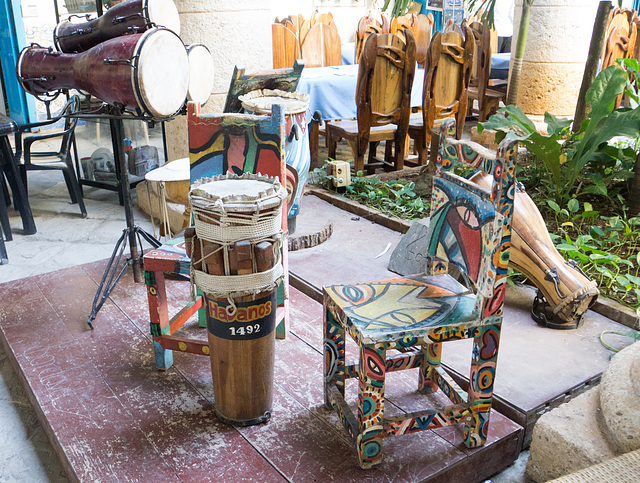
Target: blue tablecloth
[[500, 65], [332, 90]]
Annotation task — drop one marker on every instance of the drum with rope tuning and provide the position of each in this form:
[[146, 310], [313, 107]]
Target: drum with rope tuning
[[130, 17], [147, 73], [236, 262]]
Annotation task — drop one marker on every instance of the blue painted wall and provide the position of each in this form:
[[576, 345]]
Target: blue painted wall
[[22, 107]]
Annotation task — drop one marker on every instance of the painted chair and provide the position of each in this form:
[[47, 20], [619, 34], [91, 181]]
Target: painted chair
[[241, 83], [470, 230], [447, 73], [218, 143], [383, 100]]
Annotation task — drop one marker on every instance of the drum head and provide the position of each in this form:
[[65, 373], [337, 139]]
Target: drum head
[[164, 14], [200, 73], [162, 73]]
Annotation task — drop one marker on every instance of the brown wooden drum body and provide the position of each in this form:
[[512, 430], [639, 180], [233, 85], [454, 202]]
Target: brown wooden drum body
[[130, 17], [235, 251], [242, 351], [147, 71], [567, 291]]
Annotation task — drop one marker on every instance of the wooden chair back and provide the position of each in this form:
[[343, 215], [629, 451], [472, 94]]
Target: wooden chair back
[[481, 58], [385, 78], [285, 45], [447, 76], [321, 45], [371, 23], [421, 27], [621, 36], [241, 83]]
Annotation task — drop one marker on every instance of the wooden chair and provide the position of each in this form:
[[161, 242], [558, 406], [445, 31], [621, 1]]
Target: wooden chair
[[447, 74], [377, 23], [218, 144], [470, 230], [421, 27], [383, 101], [620, 39], [321, 46], [479, 90], [61, 160], [241, 83], [285, 45]]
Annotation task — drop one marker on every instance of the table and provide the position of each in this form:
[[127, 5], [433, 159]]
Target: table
[[500, 65], [332, 90], [9, 169]]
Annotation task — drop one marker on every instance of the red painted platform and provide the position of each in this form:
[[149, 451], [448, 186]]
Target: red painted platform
[[111, 415]]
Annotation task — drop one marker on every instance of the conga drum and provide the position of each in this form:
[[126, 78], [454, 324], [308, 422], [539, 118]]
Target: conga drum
[[200, 73], [236, 263], [296, 143], [130, 17], [564, 292], [146, 72]]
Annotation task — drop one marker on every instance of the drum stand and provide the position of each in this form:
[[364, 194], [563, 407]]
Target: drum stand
[[132, 232]]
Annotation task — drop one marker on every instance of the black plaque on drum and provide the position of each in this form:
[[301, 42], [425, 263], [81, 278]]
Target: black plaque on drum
[[252, 320]]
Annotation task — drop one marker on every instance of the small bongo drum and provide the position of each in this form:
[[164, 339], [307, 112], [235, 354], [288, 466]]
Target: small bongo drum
[[296, 144], [236, 263]]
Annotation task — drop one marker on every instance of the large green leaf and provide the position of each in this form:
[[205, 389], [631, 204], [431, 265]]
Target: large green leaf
[[516, 118], [606, 87], [555, 125]]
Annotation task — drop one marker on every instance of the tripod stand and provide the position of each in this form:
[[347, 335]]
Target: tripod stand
[[133, 233]]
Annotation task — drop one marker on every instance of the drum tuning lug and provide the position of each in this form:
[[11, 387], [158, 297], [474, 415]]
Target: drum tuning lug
[[520, 187], [551, 275], [574, 264], [295, 131]]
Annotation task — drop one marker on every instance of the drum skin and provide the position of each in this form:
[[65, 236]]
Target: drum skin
[[157, 85], [133, 16], [534, 254], [201, 71]]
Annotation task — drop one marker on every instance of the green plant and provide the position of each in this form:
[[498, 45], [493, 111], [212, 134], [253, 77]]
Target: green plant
[[607, 248], [400, 7], [396, 197], [565, 153]]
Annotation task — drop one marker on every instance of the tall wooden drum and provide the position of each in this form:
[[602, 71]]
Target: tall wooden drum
[[236, 263]]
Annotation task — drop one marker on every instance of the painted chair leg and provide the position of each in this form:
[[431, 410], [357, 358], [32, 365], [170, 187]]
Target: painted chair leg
[[481, 379], [427, 374], [334, 356], [370, 405], [164, 357]]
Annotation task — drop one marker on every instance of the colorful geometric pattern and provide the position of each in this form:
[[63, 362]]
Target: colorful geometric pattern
[[470, 228]]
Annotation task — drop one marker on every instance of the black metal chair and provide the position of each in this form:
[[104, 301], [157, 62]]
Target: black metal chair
[[50, 160]]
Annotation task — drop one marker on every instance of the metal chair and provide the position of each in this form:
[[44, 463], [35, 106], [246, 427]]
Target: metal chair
[[469, 229]]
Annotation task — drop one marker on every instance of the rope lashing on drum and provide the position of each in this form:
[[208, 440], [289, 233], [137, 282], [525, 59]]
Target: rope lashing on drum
[[226, 220]]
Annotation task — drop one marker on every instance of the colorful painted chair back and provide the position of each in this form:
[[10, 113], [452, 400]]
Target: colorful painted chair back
[[237, 143], [470, 226], [241, 83]]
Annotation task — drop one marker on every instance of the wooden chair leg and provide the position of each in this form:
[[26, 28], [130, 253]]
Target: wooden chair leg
[[332, 143], [481, 378], [370, 405]]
